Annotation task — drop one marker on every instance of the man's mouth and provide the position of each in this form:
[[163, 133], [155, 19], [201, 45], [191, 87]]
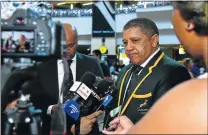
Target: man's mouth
[[132, 54]]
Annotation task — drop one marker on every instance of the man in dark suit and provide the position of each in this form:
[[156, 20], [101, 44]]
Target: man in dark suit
[[150, 74], [47, 80], [9, 44]]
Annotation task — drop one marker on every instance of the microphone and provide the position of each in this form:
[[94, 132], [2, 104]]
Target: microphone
[[75, 105], [107, 91], [81, 91]]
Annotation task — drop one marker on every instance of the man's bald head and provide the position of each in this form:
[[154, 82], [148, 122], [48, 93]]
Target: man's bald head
[[71, 40], [70, 31]]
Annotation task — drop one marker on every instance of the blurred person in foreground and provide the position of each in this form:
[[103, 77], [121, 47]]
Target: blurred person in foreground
[[187, 102]]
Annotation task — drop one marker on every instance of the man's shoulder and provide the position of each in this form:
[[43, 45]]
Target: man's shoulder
[[170, 63], [85, 57]]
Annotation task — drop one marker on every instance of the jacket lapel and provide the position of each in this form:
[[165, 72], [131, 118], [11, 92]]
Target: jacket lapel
[[145, 70], [144, 74], [123, 82], [79, 67]]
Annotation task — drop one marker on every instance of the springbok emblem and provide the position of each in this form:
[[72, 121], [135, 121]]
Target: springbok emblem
[[143, 104]]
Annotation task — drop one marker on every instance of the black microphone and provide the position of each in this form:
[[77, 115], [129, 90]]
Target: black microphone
[[75, 105], [107, 91], [80, 92]]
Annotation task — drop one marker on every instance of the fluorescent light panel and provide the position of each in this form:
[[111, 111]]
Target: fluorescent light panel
[[62, 3], [85, 4]]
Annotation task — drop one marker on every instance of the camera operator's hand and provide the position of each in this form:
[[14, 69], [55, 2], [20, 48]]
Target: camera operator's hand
[[11, 105], [121, 125], [87, 123]]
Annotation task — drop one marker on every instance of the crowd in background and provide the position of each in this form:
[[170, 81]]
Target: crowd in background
[[195, 66]]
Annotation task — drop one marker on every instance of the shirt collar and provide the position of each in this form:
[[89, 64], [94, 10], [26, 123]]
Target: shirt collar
[[74, 59], [151, 56]]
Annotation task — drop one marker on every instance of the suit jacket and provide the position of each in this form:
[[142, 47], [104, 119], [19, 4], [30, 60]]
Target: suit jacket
[[157, 77], [7, 43], [44, 88]]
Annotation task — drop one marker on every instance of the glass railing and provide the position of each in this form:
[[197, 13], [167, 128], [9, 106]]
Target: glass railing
[[81, 12]]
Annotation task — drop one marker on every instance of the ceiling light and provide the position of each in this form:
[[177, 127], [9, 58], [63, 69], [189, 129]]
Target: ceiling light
[[121, 6], [72, 6], [62, 3], [85, 4]]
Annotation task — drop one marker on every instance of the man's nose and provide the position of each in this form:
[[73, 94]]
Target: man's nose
[[129, 46], [68, 49]]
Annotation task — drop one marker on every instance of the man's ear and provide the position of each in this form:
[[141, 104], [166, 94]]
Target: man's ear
[[155, 40], [190, 26]]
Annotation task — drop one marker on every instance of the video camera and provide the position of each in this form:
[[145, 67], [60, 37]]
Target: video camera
[[25, 119], [27, 34]]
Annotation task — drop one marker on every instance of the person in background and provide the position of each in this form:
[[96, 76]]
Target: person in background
[[112, 68], [195, 69], [23, 45], [188, 63], [187, 102], [9, 44], [104, 67]]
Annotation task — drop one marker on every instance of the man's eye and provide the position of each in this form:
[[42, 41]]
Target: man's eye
[[135, 40], [125, 43]]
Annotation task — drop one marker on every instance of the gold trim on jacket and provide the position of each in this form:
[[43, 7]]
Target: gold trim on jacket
[[143, 79]]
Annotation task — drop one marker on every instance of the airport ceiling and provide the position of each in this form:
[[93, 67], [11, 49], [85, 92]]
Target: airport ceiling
[[79, 4]]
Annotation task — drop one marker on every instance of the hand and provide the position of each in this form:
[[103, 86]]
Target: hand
[[87, 123], [121, 125], [11, 105]]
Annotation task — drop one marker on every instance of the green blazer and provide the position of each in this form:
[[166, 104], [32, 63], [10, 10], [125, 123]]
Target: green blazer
[[156, 78]]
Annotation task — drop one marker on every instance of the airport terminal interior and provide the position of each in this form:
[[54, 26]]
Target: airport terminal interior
[[32, 32]]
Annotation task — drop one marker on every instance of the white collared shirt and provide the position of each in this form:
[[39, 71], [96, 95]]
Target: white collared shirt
[[151, 56], [60, 68], [142, 65]]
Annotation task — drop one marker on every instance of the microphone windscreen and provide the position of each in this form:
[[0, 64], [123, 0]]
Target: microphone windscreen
[[88, 79], [103, 86]]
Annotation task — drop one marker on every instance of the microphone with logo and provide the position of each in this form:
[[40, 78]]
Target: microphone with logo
[[80, 92], [107, 91], [77, 103]]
